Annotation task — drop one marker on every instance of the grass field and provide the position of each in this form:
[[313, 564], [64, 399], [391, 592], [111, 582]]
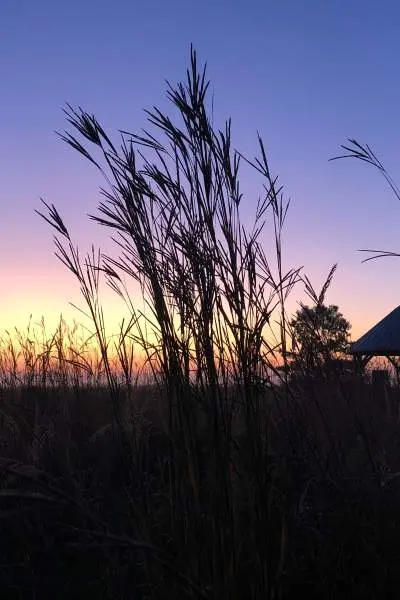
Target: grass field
[[213, 467], [310, 505]]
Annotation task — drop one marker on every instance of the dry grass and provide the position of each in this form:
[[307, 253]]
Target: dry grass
[[212, 482], [332, 463]]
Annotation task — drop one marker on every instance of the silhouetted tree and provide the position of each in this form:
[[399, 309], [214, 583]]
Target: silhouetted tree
[[320, 334]]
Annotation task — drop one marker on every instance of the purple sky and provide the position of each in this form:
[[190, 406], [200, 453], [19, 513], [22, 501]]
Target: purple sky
[[306, 75]]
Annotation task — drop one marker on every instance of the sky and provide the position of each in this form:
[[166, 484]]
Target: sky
[[305, 75]]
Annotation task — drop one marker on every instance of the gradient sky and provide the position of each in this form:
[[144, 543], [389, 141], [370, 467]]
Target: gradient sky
[[307, 74]]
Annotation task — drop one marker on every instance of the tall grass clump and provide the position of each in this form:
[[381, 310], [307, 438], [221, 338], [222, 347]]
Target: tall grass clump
[[213, 330]]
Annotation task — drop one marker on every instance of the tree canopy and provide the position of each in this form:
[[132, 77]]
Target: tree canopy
[[320, 333]]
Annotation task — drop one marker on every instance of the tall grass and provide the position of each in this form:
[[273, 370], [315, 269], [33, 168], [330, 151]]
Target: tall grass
[[214, 481], [173, 201]]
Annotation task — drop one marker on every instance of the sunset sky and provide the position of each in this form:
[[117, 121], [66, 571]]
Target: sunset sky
[[306, 74]]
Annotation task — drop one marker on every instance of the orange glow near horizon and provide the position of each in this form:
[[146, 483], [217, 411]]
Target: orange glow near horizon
[[20, 310], [43, 325]]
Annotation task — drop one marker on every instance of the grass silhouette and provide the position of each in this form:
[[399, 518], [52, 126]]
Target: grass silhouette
[[214, 479]]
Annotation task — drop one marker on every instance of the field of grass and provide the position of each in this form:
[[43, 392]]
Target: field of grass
[[305, 501], [212, 467]]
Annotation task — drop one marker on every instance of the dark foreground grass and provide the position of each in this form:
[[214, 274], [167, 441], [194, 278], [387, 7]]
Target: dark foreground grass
[[74, 524]]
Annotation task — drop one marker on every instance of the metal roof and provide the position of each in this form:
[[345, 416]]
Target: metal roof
[[383, 339]]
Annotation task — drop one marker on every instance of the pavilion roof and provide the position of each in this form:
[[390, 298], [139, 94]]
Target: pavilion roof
[[381, 340]]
